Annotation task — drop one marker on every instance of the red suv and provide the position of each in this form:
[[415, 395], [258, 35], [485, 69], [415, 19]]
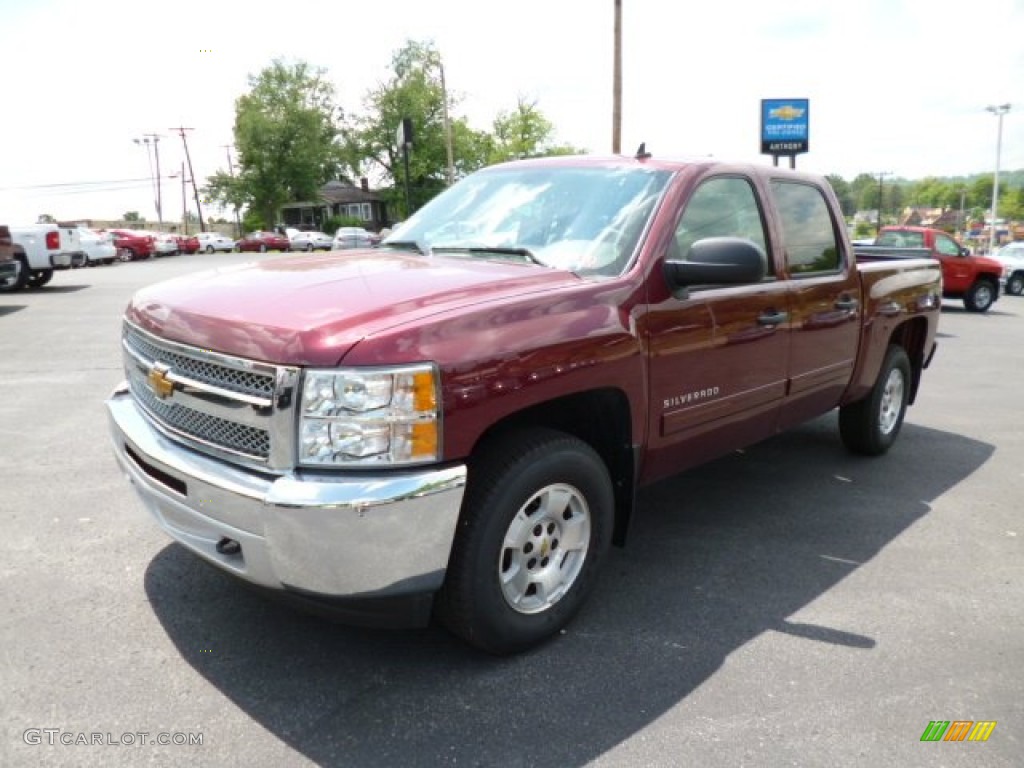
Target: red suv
[[263, 242], [133, 245]]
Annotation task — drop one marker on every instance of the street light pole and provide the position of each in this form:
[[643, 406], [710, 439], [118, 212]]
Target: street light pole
[[144, 141], [998, 111], [159, 179]]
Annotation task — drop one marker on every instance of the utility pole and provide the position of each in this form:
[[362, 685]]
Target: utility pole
[[159, 179], [184, 201], [231, 171], [149, 159], [881, 174], [998, 111], [195, 189], [617, 83]]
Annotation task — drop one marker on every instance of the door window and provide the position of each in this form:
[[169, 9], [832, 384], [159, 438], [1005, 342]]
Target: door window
[[946, 245], [808, 235], [720, 207]]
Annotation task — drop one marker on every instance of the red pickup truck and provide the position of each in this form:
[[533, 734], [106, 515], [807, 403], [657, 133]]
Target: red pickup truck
[[455, 424], [974, 279]]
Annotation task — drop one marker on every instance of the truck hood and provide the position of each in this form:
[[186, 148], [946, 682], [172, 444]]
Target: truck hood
[[311, 310]]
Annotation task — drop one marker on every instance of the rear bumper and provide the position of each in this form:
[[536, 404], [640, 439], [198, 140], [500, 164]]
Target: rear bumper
[[63, 260], [371, 548]]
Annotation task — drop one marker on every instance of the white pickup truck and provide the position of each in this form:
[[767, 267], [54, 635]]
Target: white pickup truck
[[39, 250]]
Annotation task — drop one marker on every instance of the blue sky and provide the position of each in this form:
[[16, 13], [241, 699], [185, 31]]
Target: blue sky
[[897, 85]]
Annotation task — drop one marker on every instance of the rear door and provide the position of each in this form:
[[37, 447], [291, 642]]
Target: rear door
[[825, 301]]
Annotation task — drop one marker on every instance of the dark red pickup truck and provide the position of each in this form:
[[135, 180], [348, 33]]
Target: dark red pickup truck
[[454, 424]]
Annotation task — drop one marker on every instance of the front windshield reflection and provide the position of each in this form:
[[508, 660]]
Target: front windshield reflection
[[587, 220]]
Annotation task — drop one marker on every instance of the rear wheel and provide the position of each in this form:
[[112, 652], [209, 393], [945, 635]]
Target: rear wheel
[[209, 249], [1015, 284], [535, 527], [980, 296], [37, 278], [870, 426], [309, 247]]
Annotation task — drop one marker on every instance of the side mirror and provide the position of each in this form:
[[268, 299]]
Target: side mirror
[[965, 251], [718, 261]]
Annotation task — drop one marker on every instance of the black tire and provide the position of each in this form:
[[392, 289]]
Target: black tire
[[870, 426], [980, 296], [20, 280], [309, 247], [125, 254], [562, 487], [209, 249], [263, 248], [1015, 284], [37, 278]]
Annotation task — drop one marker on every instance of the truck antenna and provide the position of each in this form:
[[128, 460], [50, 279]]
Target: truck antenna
[[641, 151]]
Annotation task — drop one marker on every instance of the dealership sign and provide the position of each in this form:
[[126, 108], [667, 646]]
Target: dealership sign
[[785, 126]]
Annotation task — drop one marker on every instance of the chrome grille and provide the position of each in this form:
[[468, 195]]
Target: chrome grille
[[234, 408], [240, 438], [223, 376]]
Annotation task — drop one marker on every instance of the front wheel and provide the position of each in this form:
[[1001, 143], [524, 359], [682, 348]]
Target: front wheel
[[870, 426], [535, 527], [980, 296], [263, 248], [209, 249], [1015, 284]]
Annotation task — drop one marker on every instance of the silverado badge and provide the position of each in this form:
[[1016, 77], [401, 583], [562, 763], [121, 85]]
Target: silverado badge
[[158, 381]]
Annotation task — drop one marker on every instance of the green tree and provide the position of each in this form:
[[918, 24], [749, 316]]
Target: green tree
[[524, 132], [842, 190], [864, 191], [285, 133], [132, 216], [412, 91], [45, 218]]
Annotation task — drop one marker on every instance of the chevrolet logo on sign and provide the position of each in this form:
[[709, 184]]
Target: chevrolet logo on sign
[[161, 385]]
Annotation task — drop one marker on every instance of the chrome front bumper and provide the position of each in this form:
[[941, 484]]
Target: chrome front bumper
[[329, 535]]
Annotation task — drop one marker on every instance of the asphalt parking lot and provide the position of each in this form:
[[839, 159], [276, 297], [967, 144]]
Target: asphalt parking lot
[[787, 605]]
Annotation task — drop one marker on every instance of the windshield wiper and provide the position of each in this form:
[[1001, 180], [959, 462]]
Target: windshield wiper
[[525, 253], [408, 245]]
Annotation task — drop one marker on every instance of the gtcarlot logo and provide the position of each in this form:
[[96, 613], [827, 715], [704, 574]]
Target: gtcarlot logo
[[958, 730], [59, 737]]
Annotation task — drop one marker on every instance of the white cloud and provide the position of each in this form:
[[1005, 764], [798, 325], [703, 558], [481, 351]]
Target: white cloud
[[894, 85]]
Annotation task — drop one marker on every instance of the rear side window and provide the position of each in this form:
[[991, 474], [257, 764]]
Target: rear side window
[[809, 239], [901, 239], [720, 207]]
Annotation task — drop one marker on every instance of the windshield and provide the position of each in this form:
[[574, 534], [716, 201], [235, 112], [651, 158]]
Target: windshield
[[584, 219]]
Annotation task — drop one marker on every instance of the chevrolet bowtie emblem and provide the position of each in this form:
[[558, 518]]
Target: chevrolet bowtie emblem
[[158, 381]]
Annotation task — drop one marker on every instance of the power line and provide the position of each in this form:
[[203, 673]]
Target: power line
[[74, 184]]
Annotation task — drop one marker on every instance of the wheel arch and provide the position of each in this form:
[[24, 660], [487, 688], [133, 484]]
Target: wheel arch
[[911, 336], [599, 417]]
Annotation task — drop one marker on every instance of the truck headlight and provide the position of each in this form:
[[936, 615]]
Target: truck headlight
[[356, 417]]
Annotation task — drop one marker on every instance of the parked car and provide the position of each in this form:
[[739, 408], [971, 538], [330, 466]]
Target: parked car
[[165, 244], [98, 246], [187, 243], [1011, 256], [8, 266], [132, 245], [39, 250], [353, 237], [215, 241], [311, 241], [263, 242]]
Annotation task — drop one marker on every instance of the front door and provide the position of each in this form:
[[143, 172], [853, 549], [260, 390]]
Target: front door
[[718, 355]]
